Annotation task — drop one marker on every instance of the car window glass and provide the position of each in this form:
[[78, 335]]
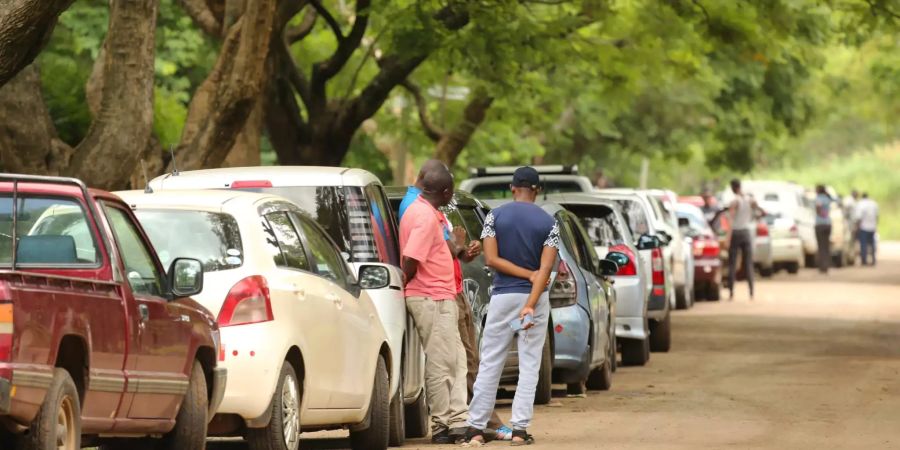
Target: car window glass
[[213, 238], [600, 222], [472, 221], [50, 231], [382, 224], [588, 258], [293, 253], [501, 189], [565, 229], [635, 217], [326, 259], [140, 269]]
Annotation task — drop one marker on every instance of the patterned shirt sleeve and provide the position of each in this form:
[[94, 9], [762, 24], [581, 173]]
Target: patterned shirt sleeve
[[553, 237], [488, 231]]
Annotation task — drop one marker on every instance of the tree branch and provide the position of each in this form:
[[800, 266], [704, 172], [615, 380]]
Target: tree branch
[[295, 76], [298, 33], [327, 69], [875, 5], [25, 27], [431, 129], [202, 16], [452, 144], [323, 11]]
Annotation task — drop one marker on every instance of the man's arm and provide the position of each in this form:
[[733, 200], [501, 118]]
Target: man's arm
[[494, 261], [539, 282], [410, 268]]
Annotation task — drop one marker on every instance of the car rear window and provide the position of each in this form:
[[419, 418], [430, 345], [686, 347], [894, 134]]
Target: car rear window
[[213, 238], [600, 223], [635, 217], [50, 231], [499, 190]]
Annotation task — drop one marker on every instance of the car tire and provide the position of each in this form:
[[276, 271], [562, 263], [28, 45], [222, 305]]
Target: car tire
[[767, 272], [793, 268], [417, 417], [714, 292], [661, 335], [285, 411], [614, 345], [635, 352], [544, 391], [838, 260], [576, 389], [681, 298], [61, 410], [192, 419], [397, 434], [375, 437], [600, 379], [809, 261]]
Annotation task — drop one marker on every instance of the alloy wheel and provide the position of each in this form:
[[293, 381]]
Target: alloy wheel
[[290, 412]]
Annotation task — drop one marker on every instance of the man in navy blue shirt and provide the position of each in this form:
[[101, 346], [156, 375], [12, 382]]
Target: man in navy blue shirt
[[521, 243]]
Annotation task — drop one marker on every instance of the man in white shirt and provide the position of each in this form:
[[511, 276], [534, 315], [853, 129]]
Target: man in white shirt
[[866, 218]]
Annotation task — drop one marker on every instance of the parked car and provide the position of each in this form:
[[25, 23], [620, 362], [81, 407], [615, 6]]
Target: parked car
[[652, 252], [787, 246], [683, 257], [351, 206], [96, 338], [300, 338], [492, 183], [607, 230], [791, 203], [706, 250], [844, 248], [763, 256]]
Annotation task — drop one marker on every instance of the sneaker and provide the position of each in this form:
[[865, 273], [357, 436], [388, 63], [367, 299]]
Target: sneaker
[[442, 437]]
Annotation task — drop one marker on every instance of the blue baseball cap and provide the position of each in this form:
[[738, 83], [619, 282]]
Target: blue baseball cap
[[526, 177]]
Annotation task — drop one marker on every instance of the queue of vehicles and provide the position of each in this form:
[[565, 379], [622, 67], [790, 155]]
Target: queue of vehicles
[[282, 307]]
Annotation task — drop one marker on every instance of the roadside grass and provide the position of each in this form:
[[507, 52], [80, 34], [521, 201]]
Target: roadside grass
[[876, 171]]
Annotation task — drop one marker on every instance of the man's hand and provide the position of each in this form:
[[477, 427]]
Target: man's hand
[[459, 237], [526, 311], [534, 277], [474, 249]]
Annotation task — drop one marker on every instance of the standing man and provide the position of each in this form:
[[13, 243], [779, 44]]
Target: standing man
[[430, 298], [521, 242], [823, 228], [741, 214], [866, 219]]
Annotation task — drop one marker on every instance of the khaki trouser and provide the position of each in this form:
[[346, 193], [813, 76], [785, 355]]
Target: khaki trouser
[[470, 343], [445, 361]]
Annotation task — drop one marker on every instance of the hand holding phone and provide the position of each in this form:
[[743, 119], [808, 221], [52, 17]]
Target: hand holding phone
[[521, 324]]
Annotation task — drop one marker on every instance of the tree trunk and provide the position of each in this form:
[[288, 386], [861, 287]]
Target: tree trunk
[[452, 143], [25, 27], [225, 100], [121, 129], [245, 151], [28, 139]]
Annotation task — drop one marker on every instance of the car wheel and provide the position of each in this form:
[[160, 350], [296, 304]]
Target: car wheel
[[766, 272], [714, 292], [810, 261], [681, 298], [600, 379], [417, 417], [838, 260], [58, 422], [397, 435], [192, 419], [793, 268], [661, 335], [614, 345], [283, 431], [635, 352], [576, 389], [544, 392], [375, 437]]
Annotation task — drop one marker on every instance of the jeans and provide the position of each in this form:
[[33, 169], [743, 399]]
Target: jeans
[[867, 243], [823, 240], [740, 241], [495, 342]]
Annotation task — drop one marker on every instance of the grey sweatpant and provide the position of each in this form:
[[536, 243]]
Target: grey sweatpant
[[495, 342]]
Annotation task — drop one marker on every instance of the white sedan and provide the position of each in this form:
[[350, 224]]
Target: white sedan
[[302, 342]]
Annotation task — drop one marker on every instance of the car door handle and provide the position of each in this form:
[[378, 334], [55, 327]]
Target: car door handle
[[298, 291], [487, 270], [144, 310], [334, 298]]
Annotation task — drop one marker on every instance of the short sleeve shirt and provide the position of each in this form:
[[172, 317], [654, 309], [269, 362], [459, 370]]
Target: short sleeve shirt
[[823, 209], [422, 239], [522, 230]]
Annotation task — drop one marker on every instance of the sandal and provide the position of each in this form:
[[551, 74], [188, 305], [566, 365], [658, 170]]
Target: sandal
[[504, 433], [472, 433], [526, 439]]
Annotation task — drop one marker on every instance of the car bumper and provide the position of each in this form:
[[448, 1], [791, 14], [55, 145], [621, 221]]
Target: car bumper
[[5, 396], [253, 365], [706, 270], [657, 299], [220, 380], [787, 250], [630, 297], [762, 252], [571, 328], [631, 328]]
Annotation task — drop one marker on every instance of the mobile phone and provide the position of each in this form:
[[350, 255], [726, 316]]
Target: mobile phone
[[518, 325]]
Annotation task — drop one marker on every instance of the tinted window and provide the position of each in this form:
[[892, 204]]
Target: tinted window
[[501, 189], [473, 221], [635, 217], [588, 256], [50, 231], [294, 256], [213, 238], [567, 235], [326, 259], [383, 225], [140, 268], [600, 223]]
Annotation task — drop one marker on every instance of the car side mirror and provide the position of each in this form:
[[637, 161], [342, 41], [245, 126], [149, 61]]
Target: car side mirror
[[683, 222], [185, 277], [608, 268], [619, 258], [665, 237], [648, 242], [374, 277]]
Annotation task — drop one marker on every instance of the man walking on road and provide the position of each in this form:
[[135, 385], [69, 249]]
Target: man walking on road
[[865, 216], [521, 242], [823, 228], [741, 212], [430, 298]]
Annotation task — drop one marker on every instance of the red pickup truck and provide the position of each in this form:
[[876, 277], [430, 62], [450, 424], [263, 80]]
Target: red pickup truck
[[97, 341]]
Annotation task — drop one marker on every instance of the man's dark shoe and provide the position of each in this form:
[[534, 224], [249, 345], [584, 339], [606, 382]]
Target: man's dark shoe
[[442, 437], [458, 435]]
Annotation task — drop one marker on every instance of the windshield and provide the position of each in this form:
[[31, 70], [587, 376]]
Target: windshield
[[499, 190], [212, 238]]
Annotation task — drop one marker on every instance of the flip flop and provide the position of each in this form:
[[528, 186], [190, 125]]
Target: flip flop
[[504, 433]]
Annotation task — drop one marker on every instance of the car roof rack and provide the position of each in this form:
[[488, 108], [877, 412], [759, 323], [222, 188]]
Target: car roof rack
[[557, 169]]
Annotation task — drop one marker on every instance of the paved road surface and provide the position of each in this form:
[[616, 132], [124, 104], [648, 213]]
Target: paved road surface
[[813, 362]]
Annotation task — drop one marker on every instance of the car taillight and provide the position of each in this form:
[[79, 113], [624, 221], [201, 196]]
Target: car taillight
[[762, 230], [564, 290], [795, 232], [706, 248], [656, 262], [247, 302], [251, 184], [628, 269]]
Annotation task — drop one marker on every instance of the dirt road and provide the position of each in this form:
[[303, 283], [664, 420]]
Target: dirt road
[[813, 362]]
